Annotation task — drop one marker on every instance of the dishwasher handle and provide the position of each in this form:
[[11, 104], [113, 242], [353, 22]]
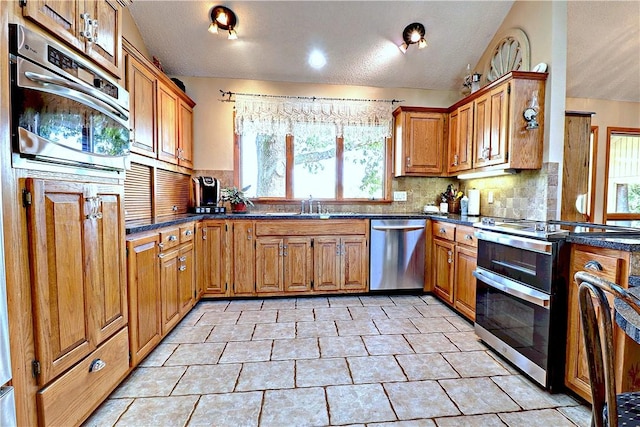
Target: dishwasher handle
[[397, 227]]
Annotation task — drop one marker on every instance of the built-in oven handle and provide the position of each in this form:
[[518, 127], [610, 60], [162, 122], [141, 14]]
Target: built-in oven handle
[[515, 289], [515, 241], [96, 94]]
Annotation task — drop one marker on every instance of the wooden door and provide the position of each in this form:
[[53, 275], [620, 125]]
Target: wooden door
[[244, 279], [167, 127], [269, 264], [169, 292], [62, 291], [453, 147], [481, 130], [61, 18], [499, 127], [443, 259], [355, 271], [141, 84], [465, 282], [185, 139], [186, 278], [424, 143], [326, 263], [106, 49], [104, 234], [578, 163], [145, 317], [211, 262], [298, 264]]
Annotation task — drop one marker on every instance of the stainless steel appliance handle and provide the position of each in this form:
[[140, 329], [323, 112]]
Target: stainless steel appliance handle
[[99, 96], [397, 227], [512, 288], [516, 241]]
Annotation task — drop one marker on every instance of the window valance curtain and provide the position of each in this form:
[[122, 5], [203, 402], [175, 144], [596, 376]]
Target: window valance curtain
[[277, 115]]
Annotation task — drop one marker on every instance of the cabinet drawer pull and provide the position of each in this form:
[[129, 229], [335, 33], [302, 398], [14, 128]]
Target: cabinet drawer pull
[[161, 255], [182, 258], [593, 265], [97, 365], [468, 237], [443, 231], [188, 233], [173, 238]]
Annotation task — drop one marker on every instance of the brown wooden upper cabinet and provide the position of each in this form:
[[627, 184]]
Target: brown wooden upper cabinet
[[161, 113], [487, 129], [419, 141], [94, 27]]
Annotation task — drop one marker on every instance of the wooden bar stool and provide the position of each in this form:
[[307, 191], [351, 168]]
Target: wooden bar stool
[[608, 409]]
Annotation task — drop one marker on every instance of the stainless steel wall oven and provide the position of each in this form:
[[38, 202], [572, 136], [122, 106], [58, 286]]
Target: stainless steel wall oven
[[64, 109], [521, 300]]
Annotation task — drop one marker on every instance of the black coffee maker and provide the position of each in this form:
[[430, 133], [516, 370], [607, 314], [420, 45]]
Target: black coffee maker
[[207, 194]]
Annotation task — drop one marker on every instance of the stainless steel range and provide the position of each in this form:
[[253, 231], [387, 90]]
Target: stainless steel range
[[521, 295]]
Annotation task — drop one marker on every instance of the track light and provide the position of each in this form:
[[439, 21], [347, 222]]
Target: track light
[[223, 18], [412, 34]]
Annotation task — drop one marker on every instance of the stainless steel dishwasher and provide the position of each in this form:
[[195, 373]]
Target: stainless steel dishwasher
[[397, 254]]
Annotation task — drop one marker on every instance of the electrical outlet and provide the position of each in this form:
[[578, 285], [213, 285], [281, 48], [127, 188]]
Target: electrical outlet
[[490, 197], [399, 196]]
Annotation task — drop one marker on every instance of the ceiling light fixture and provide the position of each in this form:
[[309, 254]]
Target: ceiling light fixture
[[223, 18], [412, 34]]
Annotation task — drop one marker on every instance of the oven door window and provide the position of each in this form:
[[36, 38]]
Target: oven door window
[[522, 325], [523, 265], [70, 123]]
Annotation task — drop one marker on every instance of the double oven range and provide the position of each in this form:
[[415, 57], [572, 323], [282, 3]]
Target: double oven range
[[521, 290]]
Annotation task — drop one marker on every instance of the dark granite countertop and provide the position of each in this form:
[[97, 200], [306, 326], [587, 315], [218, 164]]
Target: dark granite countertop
[[629, 243], [138, 226]]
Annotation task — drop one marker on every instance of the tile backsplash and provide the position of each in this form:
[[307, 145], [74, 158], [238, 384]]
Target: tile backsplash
[[527, 194]]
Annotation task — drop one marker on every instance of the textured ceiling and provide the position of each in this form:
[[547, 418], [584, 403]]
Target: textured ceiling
[[360, 38]]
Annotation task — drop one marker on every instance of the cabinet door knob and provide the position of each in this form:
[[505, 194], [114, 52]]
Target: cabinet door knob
[[173, 238], [593, 265], [188, 233], [182, 258], [182, 268], [450, 260], [468, 237], [443, 230], [97, 365]]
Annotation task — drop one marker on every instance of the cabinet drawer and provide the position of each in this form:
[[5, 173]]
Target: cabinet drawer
[[444, 230], [606, 267], [186, 233], [465, 236], [169, 238], [72, 397]]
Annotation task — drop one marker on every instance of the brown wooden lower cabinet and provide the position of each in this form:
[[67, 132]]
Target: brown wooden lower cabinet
[[612, 265], [454, 254], [161, 285], [212, 265]]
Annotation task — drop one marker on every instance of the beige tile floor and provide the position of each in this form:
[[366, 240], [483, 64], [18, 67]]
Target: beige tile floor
[[372, 360]]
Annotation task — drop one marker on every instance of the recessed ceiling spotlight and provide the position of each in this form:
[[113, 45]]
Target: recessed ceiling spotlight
[[317, 59]]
